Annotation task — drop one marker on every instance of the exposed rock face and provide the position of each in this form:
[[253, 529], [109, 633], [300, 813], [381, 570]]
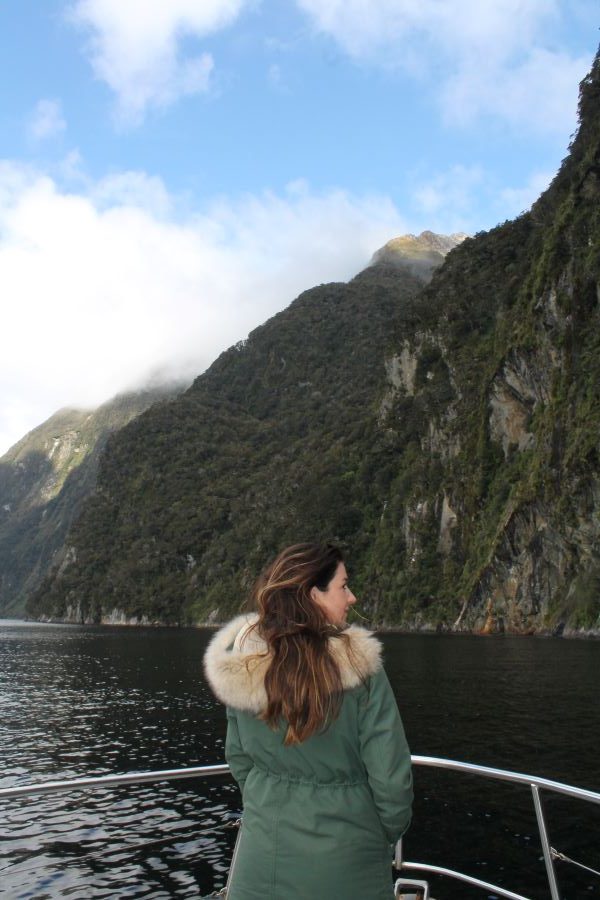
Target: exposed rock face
[[401, 369], [513, 449], [448, 520], [508, 420], [75, 615], [519, 577]]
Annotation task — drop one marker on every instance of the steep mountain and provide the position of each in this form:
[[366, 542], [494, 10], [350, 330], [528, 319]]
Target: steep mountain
[[44, 479], [262, 448], [420, 255], [496, 517], [448, 435]]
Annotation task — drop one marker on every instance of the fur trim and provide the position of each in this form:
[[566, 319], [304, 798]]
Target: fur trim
[[235, 662]]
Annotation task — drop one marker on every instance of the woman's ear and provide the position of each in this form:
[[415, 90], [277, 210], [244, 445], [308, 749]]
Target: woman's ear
[[314, 594]]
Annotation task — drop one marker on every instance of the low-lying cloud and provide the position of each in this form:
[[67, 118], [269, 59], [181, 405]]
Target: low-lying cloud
[[107, 283], [106, 286]]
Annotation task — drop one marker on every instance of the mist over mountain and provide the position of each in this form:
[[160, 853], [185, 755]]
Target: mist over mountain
[[445, 433], [420, 255], [300, 389]]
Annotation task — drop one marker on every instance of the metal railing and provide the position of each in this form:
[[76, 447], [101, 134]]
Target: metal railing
[[534, 783], [76, 784]]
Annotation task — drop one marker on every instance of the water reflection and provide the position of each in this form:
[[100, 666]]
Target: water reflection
[[83, 701]]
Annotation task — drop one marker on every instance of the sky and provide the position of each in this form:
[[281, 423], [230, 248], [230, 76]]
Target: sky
[[174, 173]]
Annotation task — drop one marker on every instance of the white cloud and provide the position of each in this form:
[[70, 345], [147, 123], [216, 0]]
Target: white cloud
[[367, 27], [539, 92], [480, 58], [449, 201], [47, 120], [106, 285], [71, 168], [136, 190], [518, 200], [452, 200], [135, 47]]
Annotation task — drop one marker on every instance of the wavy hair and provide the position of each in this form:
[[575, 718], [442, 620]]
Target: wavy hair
[[303, 682]]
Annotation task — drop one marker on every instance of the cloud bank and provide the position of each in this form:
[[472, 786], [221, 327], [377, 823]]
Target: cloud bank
[[106, 286], [116, 282], [136, 48]]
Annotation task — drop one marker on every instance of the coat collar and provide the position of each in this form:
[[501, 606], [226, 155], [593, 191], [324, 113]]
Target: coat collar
[[236, 662]]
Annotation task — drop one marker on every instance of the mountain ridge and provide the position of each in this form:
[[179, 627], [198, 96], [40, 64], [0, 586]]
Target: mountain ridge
[[240, 394], [445, 433]]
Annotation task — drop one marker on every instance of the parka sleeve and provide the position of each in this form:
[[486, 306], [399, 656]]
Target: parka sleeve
[[386, 756], [239, 761]]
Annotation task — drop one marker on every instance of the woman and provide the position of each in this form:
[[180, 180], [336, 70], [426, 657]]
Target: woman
[[314, 738]]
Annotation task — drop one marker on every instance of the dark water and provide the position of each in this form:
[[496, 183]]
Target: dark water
[[82, 701]]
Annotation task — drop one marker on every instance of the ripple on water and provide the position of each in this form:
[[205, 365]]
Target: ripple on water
[[90, 701]]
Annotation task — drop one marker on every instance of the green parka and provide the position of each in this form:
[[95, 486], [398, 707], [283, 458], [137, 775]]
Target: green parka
[[320, 817]]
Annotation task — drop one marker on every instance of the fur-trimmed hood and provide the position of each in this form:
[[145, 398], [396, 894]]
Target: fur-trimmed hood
[[237, 660]]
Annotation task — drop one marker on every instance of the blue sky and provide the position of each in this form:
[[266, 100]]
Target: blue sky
[[171, 174]]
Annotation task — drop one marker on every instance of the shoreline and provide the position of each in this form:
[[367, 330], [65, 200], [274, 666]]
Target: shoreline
[[426, 630]]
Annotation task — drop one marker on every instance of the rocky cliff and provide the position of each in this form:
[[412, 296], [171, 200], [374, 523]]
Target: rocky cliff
[[446, 433]]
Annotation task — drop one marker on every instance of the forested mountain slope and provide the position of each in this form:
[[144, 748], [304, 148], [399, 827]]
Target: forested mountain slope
[[263, 448], [448, 436], [44, 480]]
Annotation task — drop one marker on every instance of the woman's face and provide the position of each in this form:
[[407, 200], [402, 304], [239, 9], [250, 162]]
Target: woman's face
[[337, 598]]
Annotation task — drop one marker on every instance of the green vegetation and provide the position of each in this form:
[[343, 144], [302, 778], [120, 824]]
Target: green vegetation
[[44, 480], [466, 486]]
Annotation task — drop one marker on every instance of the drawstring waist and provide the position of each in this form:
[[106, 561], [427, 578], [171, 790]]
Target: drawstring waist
[[290, 779]]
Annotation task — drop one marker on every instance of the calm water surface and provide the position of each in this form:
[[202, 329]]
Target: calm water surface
[[90, 701]]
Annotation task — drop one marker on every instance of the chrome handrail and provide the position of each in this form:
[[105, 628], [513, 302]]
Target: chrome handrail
[[75, 784], [535, 783], [505, 775]]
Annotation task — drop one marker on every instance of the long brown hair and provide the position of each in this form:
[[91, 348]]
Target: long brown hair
[[303, 681]]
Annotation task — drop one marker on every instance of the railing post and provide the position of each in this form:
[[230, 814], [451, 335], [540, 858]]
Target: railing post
[[398, 855], [234, 857], [539, 812]]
